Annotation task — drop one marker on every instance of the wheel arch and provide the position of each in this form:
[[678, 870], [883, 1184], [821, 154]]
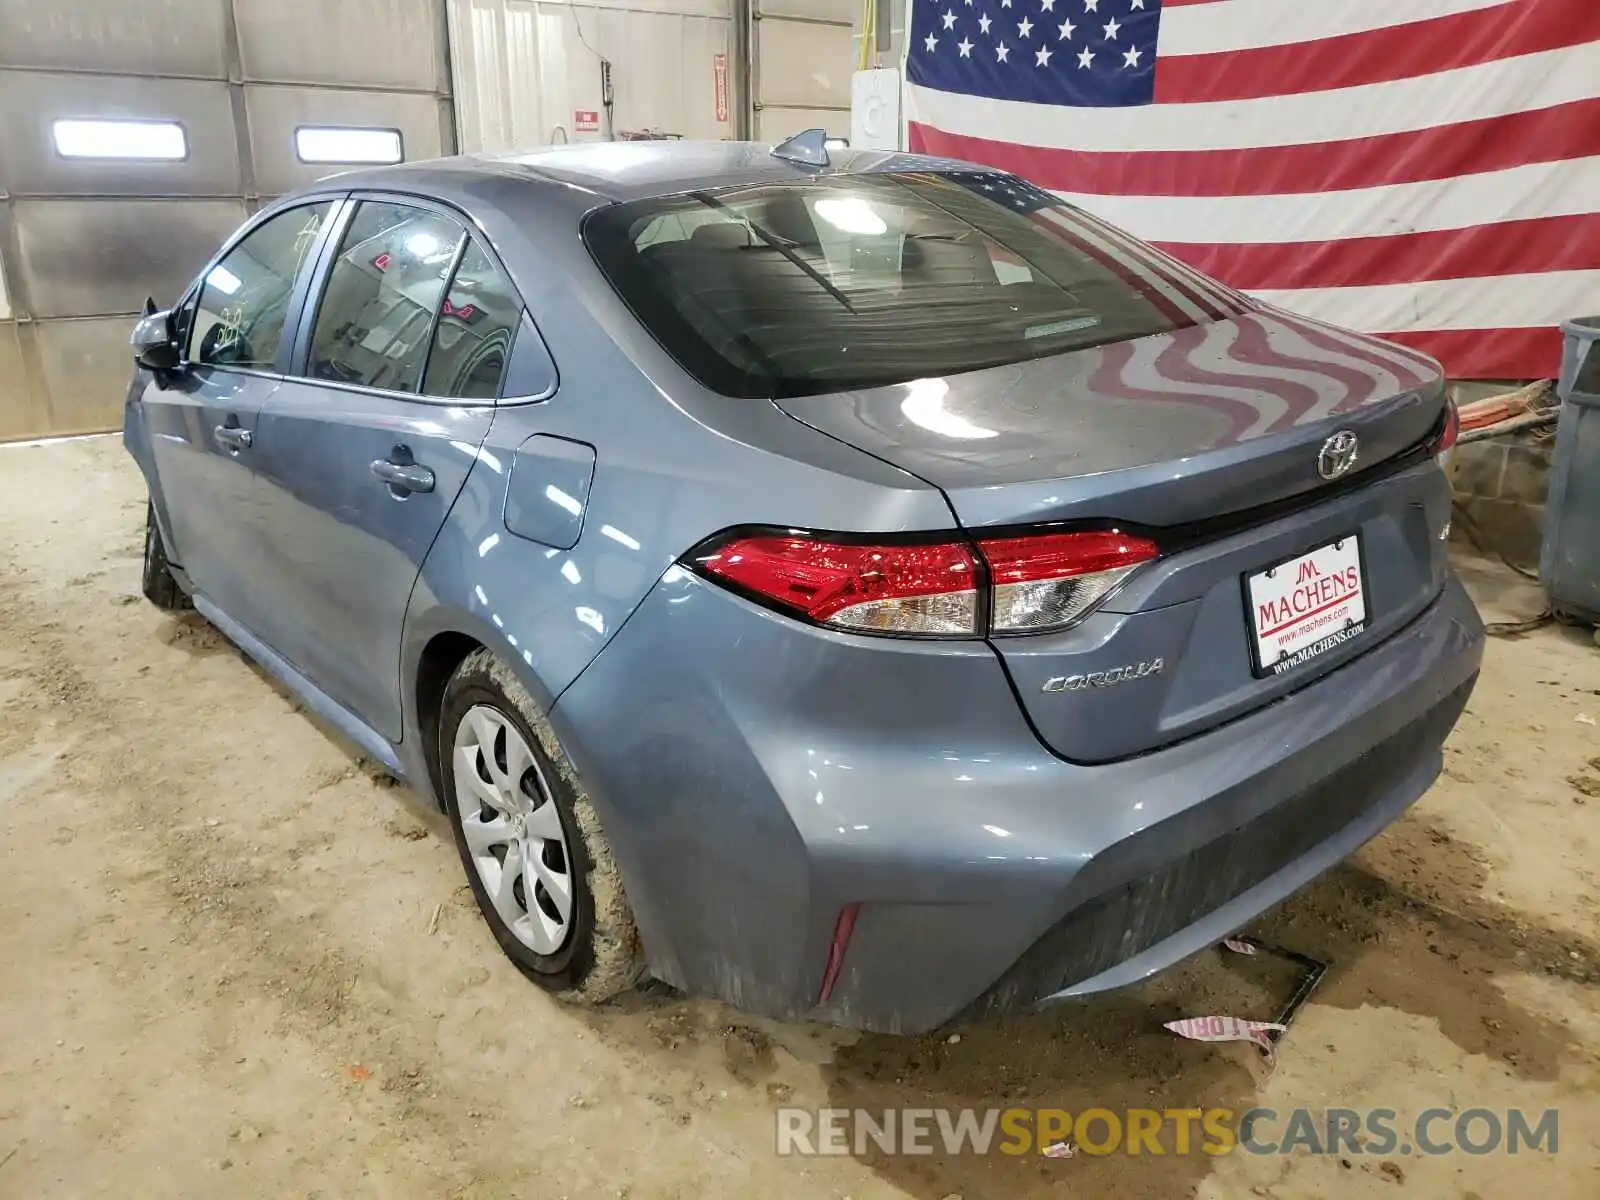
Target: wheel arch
[[438, 660], [436, 644]]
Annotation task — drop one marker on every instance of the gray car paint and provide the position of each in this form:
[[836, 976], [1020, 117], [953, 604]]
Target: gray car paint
[[963, 838], [755, 773], [547, 493]]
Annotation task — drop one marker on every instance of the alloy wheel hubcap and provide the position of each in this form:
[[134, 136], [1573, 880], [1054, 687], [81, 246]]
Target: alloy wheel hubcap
[[513, 830]]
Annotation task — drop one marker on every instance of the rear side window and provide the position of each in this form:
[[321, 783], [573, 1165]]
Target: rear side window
[[477, 321], [240, 309], [387, 285], [861, 280]]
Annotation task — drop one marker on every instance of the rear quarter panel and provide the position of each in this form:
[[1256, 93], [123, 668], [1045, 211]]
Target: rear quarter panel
[[673, 465]]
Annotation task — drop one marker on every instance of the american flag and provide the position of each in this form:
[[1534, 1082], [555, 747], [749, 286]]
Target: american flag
[[1428, 170]]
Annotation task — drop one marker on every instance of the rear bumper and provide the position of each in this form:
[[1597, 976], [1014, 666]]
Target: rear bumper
[[755, 776]]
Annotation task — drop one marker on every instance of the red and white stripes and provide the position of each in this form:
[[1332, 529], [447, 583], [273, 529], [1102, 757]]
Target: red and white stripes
[[1429, 170]]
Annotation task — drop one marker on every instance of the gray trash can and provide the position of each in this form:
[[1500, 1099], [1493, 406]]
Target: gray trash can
[[1569, 561]]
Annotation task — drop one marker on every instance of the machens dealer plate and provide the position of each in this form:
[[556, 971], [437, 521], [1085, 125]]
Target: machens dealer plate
[[1305, 607]]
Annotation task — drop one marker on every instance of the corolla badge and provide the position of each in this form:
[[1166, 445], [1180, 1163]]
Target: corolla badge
[[1100, 679], [1338, 454]]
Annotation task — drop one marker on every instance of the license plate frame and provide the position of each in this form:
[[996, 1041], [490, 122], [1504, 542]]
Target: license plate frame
[[1336, 633]]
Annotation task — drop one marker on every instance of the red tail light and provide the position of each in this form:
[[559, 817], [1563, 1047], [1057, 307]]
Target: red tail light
[[1050, 581], [1038, 583], [914, 589], [1452, 430]]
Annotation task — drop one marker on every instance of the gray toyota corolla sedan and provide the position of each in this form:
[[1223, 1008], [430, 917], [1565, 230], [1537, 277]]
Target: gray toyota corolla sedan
[[855, 585]]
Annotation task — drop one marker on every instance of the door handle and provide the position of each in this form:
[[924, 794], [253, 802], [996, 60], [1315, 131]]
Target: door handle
[[231, 438], [403, 478]]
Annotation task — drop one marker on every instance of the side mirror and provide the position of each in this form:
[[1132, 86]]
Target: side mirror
[[155, 347]]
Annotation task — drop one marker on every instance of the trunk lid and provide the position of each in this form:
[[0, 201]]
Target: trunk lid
[[1208, 438], [1167, 430]]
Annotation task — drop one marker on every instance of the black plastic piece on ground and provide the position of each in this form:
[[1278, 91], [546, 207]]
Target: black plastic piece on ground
[[1311, 973]]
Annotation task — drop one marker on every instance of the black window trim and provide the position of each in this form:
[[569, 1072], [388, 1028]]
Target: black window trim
[[298, 366], [292, 313]]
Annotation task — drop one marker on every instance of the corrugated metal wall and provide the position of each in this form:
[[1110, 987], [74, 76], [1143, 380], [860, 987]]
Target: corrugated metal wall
[[83, 241], [528, 73]]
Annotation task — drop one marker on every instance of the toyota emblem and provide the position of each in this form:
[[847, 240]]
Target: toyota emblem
[[1338, 455]]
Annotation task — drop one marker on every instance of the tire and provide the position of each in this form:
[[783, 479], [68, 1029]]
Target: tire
[[159, 587], [498, 755]]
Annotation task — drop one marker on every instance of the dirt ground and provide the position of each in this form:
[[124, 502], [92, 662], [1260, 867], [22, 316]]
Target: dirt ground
[[235, 961]]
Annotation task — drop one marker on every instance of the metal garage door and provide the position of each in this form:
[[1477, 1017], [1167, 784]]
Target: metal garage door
[[802, 57], [221, 90]]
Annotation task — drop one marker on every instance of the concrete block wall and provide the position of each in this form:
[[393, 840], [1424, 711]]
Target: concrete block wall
[[1501, 483]]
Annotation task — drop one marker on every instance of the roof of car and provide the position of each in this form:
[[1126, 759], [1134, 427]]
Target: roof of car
[[630, 170]]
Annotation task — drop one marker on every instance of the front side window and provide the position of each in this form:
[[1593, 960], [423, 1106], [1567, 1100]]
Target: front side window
[[242, 303], [383, 295], [477, 322], [862, 280]]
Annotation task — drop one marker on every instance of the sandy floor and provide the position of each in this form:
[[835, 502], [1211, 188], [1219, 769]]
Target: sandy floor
[[234, 962]]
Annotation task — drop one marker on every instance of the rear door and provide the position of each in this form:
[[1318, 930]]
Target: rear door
[[202, 419], [362, 451]]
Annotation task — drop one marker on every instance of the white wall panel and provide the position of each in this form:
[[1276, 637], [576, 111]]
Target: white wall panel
[[804, 64], [147, 37], [842, 12], [376, 43], [86, 366], [106, 256], [21, 413], [777, 124], [523, 69], [276, 112], [30, 102], [804, 54]]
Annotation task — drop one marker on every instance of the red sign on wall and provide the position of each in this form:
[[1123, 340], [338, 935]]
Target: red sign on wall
[[719, 76], [586, 120]]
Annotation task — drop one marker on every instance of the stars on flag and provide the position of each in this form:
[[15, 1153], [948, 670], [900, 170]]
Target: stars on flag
[[1116, 44]]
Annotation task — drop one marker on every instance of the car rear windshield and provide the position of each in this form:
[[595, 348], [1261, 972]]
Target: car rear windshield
[[860, 280]]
